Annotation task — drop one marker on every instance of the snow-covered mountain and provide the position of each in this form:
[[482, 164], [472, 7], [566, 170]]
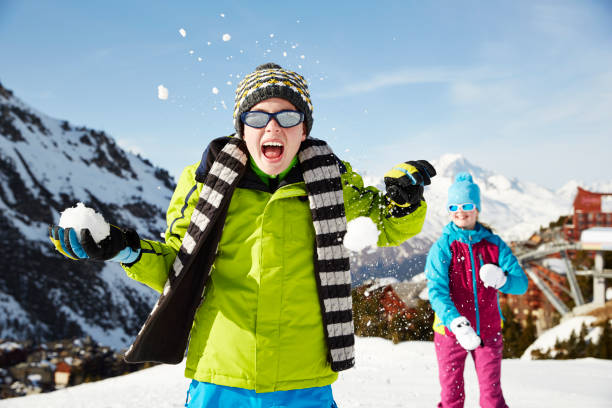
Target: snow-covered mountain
[[46, 166], [515, 209]]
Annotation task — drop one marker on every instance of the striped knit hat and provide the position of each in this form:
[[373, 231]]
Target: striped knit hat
[[272, 81]]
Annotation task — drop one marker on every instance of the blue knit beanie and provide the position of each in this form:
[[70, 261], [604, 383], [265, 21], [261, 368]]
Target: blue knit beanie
[[464, 190]]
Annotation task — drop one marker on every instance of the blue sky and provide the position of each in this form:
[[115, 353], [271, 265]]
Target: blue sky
[[523, 87]]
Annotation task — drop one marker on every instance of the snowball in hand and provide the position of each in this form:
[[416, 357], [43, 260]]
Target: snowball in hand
[[360, 234], [81, 217]]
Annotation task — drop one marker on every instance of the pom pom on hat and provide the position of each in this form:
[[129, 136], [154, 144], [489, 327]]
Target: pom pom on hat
[[464, 176], [464, 190]]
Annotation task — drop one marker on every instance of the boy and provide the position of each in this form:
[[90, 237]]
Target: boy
[[253, 273]]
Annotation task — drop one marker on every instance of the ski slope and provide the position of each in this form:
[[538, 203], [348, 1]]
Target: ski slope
[[386, 375]]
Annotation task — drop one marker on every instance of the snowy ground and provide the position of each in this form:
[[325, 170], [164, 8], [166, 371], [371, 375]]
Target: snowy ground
[[387, 375]]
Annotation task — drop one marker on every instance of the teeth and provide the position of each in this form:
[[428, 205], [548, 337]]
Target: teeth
[[273, 144]]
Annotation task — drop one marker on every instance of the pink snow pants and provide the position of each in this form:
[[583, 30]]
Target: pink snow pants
[[451, 361]]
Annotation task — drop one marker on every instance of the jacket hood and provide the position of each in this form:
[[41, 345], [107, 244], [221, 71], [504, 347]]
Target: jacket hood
[[459, 234]]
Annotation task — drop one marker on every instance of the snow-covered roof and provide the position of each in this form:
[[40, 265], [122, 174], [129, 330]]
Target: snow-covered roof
[[597, 238]]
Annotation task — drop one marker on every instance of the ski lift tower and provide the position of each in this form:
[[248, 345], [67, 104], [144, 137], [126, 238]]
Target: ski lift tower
[[598, 239]]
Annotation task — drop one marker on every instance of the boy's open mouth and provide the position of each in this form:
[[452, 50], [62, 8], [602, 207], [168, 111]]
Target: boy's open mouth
[[272, 150]]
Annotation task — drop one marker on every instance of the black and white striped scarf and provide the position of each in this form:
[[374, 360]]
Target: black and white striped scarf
[[164, 335]]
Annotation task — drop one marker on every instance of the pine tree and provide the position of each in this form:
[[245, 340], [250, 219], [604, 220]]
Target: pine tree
[[604, 347], [527, 335], [511, 333]]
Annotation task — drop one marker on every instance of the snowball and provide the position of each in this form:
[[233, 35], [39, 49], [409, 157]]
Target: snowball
[[226, 37], [361, 233], [183, 32], [215, 90], [162, 92], [81, 217]]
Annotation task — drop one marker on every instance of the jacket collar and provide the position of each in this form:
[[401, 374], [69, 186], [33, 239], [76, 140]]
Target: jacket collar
[[472, 236], [252, 181]]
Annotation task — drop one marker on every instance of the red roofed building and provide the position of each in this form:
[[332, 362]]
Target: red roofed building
[[62, 374], [590, 210]]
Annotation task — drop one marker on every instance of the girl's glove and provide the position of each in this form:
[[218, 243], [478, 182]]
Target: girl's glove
[[492, 276], [405, 182], [121, 245], [464, 333]]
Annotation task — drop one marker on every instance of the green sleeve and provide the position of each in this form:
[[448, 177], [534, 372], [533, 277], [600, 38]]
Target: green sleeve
[[360, 201], [157, 257]]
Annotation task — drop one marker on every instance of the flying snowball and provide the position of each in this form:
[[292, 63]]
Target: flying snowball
[[162, 92], [215, 90], [183, 32], [226, 37], [361, 233], [81, 217]]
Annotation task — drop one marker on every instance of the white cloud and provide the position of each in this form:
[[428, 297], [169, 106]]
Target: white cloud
[[415, 76], [560, 20]]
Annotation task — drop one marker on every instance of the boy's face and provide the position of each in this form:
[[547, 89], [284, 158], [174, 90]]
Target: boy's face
[[465, 219], [263, 144]]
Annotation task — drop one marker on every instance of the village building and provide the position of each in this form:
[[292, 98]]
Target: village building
[[590, 210]]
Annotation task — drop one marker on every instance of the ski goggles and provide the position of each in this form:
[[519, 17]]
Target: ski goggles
[[284, 118], [463, 207]]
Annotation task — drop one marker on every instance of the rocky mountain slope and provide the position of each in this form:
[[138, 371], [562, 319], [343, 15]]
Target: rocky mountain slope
[[46, 166]]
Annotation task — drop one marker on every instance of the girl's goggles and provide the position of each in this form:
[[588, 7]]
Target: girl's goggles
[[285, 118], [463, 207]]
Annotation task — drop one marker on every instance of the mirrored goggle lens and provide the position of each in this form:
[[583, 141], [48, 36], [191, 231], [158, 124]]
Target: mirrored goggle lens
[[255, 119], [464, 207], [260, 119], [289, 118]]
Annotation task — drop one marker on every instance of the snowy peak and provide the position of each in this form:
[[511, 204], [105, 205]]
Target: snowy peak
[[513, 208], [449, 164], [57, 164], [48, 165]]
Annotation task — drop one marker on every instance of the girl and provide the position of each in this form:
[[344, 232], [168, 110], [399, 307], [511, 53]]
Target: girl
[[465, 269]]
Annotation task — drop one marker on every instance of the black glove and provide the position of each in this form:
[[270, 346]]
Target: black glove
[[121, 245], [405, 183]]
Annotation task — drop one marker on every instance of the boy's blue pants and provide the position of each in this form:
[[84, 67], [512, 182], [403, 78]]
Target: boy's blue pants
[[206, 395]]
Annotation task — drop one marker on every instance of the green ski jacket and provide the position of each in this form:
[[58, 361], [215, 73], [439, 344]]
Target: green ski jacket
[[259, 326]]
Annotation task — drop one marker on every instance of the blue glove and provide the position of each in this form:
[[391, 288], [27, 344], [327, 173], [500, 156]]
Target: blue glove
[[121, 245]]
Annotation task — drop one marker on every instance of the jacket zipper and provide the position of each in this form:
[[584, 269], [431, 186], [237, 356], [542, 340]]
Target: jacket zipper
[[474, 284]]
